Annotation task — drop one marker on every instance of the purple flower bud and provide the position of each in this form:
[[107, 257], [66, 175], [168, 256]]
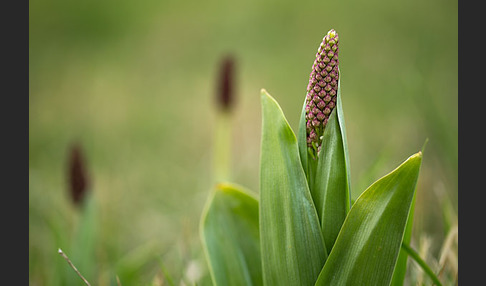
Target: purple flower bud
[[78, 179], [225, 84], [327, 98], [313, 135], [322, 89]]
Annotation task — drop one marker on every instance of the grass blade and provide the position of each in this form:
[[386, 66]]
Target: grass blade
[[422, 264]]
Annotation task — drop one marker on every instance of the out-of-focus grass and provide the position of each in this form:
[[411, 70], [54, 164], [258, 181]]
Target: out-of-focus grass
[[134, 83]]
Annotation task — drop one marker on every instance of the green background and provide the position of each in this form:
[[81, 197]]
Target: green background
[[134, 82]]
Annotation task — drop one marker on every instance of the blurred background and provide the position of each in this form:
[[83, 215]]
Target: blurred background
[[134, 84]]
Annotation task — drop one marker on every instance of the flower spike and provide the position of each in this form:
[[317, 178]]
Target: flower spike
[[322, 90]]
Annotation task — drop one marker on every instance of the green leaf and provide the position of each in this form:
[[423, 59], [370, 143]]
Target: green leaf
[[331, 190], [292, 245], [83, 249], [367, 247], [328, 176], [230, 235], [401, 266], [302, 142]]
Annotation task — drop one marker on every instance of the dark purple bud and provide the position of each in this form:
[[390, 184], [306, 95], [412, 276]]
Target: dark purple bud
[[78, 179], [313, 135], [327, 110], [327, 98], [226, 83]]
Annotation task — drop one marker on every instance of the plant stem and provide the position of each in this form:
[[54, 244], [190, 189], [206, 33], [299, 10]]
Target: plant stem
[[72, 266], [421, 263], [222, 150]]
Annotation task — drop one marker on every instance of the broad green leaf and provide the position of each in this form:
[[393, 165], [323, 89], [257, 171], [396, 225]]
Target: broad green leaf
[[331, 190], [401, 266], [367, 247], [292, 245], [230, 235]]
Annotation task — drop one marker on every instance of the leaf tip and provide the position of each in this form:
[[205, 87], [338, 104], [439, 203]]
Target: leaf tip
[[264, 94], [418, 154], [417, 157]]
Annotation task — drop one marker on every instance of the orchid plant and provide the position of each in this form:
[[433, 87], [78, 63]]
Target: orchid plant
[[302, 228]]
